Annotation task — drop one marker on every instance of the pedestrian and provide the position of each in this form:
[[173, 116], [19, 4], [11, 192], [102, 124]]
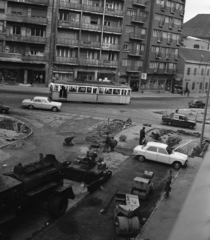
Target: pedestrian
[[142, 136], [113, 143], [107, 142], [167, 188]]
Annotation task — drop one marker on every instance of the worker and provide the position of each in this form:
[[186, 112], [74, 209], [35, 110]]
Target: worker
[[156, 136], [167, 188], [68, 141], [142, 136], [107, 142], [113, 143], [169, 150]]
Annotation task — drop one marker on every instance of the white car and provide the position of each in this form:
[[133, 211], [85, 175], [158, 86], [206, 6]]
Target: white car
[[158, 152], [42, 103]]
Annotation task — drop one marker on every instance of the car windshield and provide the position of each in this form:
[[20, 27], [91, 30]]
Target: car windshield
[[49, 100]]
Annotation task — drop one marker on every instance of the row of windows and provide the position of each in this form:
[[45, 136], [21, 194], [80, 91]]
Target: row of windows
[[166, 35], [195, 72], [165, 50], [174, 6], [91, 90], [200, 86], [164, 19]]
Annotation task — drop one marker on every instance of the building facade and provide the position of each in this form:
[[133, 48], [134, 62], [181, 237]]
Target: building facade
[[135, 42]]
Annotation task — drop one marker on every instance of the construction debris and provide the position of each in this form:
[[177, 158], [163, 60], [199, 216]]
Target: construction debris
[[147, 125], [122, 138], [171, 141]]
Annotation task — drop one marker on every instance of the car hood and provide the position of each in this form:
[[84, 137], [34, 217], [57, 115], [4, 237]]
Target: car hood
[[179, 155], [26, 100], [137, 148]]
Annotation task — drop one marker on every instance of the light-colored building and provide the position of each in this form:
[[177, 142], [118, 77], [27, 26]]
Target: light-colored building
[[194, 66]]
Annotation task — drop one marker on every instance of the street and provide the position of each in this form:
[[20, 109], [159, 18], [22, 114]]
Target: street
[[79, 119]]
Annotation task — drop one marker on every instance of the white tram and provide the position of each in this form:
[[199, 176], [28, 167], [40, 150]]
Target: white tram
[[90, 92]]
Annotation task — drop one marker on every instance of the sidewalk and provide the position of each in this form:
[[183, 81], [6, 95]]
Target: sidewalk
[[134, 95]]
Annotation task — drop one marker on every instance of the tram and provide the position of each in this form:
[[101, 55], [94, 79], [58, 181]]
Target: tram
[[90, 92]]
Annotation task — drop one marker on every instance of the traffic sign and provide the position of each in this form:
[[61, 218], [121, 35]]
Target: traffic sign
[[144, 76]]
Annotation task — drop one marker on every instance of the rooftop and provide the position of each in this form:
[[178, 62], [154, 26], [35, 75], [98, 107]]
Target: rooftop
[[193, 54], [197, 26]]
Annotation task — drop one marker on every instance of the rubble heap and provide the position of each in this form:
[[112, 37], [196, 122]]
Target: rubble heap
[[172, 140]]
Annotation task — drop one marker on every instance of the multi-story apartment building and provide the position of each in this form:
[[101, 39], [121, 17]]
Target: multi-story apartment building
[[41, 40], [25, 33]]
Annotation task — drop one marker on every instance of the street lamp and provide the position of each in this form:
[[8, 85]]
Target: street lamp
[[207, 97]]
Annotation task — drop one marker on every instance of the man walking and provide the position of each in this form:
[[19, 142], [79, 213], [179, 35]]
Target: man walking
[[142, 136], [167, 188]]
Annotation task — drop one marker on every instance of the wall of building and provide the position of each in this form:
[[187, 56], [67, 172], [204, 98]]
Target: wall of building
[[190, 43]]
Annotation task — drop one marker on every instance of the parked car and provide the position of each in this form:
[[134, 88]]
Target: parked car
[[42, 103], [178, 89], [4, 108], [159, 152], [196, 104], [180, 120]]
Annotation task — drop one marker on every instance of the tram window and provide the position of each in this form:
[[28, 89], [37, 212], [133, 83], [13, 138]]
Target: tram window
[[101, 90], [123, 92], [89, 89], [72, 88], [56, 87], [81, 89], [94, 90], [129, 92], [108, 91], [116, 91]]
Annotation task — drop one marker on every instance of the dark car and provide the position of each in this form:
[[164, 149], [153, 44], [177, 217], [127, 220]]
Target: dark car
[[4, 108], [180, 120], [196, 104]]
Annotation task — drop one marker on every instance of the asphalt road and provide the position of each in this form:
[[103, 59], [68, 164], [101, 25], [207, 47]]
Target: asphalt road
[[49, 131]]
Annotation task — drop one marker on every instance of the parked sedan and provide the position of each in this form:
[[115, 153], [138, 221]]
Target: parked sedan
[[42, 103], [196, 104], [4, 108], [160, 152]]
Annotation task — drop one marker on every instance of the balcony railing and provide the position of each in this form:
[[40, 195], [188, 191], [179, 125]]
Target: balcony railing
[[167, 56], [113, 29], [90, 8], [109, 46], [20, 38], [176, 57], [90, 44], [139, 19], [89, 61], [11, 56], [110, 63], [34, 58], [159, 39], [91, 26], [113, 12], [133, 69], [26, 19], [136, 53], [66, 60], [137, 36], [67, 41], [142, 3], [70, 5], [40, 2], [69, 24], [158, 55]]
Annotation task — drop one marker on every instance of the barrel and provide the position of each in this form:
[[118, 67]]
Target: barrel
[[126, 226]]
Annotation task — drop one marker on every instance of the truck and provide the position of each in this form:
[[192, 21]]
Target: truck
[[29, 185], [176, 119]]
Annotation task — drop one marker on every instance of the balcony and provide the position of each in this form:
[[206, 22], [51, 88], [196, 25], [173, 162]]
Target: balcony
[[69, 5], [67, 41], [137, 36], [159, 39], [142, 3], [66, 60], [113, 29], [13, 57], [158, 55], [139, 19], [110, 63], [30, 39], [38, 2], [93, 27], [176, 57], [90, 8], [26, 19], [90, 44], [136, 53], [113, 12], [89, 61], [109, 46], [68, 24], [167, 56], [161, 23], [171, 26], [133, 69], [34, 58]]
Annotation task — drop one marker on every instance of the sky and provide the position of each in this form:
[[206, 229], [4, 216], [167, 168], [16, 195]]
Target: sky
[[194, 7]]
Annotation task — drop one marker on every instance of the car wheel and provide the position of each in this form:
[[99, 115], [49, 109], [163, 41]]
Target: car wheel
[[177, 165], [31, 107], [3, 111], [141, 158], [169, 123], [54, 109]]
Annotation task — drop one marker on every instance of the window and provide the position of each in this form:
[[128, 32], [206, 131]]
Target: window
[[89, 89], [108, 91], [16, 13], [81, 89], [162, 150], [152, 149], [101, 90], [208, 72], [202, 72], [206, 86], [200, 87], [72, 89], [195, 71], [193, 85], [124, 62], [196, 46], [107, 23], [188, 71], [16, 30], [131, 12], [116, 91]]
